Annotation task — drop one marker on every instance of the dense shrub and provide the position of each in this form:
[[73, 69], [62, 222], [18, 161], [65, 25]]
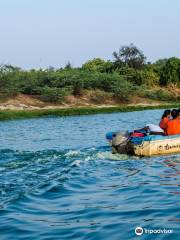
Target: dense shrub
[[139, 77], [148, 77], [78, 86], [98, 96], [123, 90], [54, 95], [97, 75], [170, 73], [160, 94], [98, 65]]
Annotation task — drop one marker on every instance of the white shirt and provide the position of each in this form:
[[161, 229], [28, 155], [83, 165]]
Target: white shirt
[[154, 128]]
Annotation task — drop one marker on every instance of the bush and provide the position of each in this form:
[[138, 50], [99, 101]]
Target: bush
[[170, 73], [54, 95], [148, 77], [100, 97], [53, 85], [104, 81], [123, 90], [160, 94], [98, 65], [78, 86]]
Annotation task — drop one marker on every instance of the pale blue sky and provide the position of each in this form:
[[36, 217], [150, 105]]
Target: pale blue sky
[[42, 33]]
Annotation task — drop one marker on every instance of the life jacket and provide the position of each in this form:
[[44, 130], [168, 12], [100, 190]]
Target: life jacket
[[163, 123], [173, 127]]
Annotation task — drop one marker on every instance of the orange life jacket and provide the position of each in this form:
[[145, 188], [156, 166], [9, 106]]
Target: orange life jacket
[[163, 123], [173, 127]]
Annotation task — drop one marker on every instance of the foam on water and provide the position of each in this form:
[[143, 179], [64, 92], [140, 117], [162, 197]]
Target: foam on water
[[108, 155], [72, 153]]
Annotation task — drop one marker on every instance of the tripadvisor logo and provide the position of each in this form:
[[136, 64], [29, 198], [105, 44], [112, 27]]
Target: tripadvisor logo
[[139, 231]]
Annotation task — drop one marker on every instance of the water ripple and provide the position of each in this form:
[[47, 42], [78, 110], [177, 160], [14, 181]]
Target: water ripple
[[69, 186]]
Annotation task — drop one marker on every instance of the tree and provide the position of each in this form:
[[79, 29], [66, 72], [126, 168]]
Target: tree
[[170, 73], [122, 89], [129, 56], [9, 68], [94, 65], [161, 62], [51, 69], [68, 66]]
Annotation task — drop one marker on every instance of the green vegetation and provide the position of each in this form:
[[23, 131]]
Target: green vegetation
[[127, 75], [22, 114]]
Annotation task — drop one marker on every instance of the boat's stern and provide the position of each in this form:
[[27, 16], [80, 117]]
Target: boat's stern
[[119, 142]]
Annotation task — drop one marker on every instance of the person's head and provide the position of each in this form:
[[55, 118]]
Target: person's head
[[167, 113], [174, 113]]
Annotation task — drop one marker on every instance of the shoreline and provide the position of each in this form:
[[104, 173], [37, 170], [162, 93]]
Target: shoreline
[[62, 112]]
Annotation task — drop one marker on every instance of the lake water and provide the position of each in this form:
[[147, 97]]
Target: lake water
[[59, 180]]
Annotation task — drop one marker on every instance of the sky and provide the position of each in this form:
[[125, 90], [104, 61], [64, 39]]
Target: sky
[[43, 33]]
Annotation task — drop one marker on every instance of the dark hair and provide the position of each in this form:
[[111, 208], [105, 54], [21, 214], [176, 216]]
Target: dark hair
[[166, 113], [174, 113]]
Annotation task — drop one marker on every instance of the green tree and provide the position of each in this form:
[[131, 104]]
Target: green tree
[[123, 90], [68, 66], [170, 73], [54, 95], [96, 64], [146, 76], [130, 56]]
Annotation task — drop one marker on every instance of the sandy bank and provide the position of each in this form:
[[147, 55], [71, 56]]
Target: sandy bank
[[26, 102]]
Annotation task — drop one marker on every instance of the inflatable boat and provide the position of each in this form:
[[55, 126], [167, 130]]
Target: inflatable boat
[[149, 145]]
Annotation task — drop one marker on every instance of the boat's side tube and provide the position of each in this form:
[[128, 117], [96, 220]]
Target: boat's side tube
[[158, 147]]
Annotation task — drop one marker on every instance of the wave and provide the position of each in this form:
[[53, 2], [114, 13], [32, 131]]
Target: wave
[[25, 171]]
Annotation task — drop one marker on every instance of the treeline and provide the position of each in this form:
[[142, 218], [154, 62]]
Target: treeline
[[126, 75]]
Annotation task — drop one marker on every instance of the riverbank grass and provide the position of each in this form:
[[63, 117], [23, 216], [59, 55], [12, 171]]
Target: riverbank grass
[[23, 114]]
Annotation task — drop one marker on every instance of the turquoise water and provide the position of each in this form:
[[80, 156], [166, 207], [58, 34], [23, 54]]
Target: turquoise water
[[59, 180]]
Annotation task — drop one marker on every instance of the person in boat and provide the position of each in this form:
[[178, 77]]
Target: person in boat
[[153, 129], [149, 129], [166, 117], [173, 126]]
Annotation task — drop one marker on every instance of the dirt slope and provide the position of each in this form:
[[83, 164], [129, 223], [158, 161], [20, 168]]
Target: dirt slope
[[88, 99]]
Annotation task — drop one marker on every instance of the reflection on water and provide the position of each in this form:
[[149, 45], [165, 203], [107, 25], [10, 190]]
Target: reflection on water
[[59, 180], [172, 174]]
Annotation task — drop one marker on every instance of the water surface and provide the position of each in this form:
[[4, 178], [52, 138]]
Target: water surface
[[59, 180]]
